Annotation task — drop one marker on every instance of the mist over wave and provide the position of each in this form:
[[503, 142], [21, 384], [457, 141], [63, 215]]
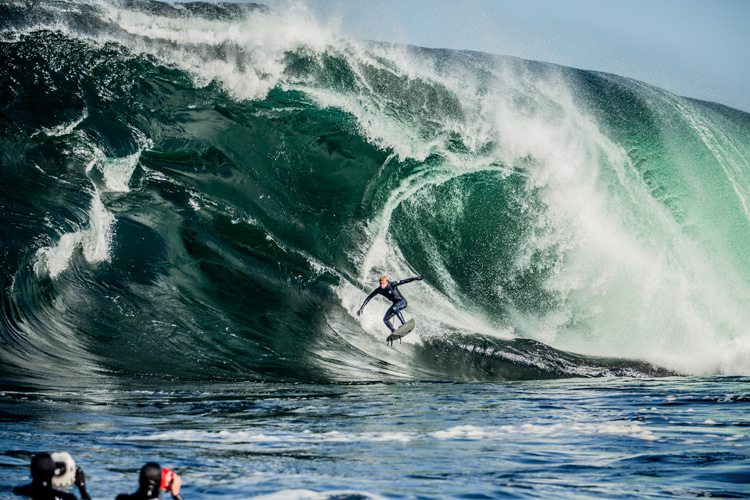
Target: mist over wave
[[209, 191]]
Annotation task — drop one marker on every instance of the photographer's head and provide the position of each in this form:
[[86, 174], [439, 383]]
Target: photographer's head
[[50, 470], [42, 469], [150, 480]]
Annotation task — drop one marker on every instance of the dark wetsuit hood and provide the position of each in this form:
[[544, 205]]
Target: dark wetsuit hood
[[150, 480], [42, 468], [42, 472]]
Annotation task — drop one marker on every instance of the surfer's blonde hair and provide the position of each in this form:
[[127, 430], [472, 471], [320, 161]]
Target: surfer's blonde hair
[[384, 278]]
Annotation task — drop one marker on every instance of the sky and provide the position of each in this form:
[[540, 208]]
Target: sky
[[693, 48]]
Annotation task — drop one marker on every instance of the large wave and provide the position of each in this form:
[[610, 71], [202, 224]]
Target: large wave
[[209, 191]]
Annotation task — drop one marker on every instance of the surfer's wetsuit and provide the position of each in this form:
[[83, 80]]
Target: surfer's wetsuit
[[391, 293]]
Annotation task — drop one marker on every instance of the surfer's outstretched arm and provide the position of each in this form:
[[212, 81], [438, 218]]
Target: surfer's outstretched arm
[[392, 294], [409, 280], [361, 308]]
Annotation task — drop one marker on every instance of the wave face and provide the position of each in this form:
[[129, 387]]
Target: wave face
[[209, 191]]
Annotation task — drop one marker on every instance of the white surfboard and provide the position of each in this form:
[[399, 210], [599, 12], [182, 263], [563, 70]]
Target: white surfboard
[[403, 330]]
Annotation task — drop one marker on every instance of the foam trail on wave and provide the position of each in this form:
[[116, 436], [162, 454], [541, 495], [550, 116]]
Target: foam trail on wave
[[93, 241], [64, 128], [117, 172]]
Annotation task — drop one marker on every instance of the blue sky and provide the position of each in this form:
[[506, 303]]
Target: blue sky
[[694, 48]]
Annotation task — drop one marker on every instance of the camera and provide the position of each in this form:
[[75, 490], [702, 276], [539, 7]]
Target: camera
[[65, 469]]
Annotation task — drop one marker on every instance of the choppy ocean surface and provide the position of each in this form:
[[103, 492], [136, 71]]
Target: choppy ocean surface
[[196, 198], [580, 438]]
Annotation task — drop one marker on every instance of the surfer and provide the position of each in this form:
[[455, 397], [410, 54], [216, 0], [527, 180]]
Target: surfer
[[152, 481], [390, 291], [43, 469]]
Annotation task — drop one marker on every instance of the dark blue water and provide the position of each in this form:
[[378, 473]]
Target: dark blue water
[[594, 438], [195, 199]]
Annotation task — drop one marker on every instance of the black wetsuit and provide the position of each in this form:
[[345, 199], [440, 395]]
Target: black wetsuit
[[36, 491], [138, 495], [149, 483], [142, 494], [43, 469], [391, 293]]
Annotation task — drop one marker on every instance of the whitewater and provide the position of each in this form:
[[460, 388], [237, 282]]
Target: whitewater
[[196, 199]]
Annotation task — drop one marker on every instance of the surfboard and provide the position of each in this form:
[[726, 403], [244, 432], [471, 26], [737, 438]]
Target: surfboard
[[403, 330]]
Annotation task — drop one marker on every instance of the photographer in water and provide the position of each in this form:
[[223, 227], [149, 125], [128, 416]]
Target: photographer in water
[[152, 481], [43, 470]]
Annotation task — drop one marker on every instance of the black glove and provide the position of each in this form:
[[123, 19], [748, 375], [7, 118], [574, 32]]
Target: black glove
[[81, 483], [420, 277], [80, 478], [359, 312]]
